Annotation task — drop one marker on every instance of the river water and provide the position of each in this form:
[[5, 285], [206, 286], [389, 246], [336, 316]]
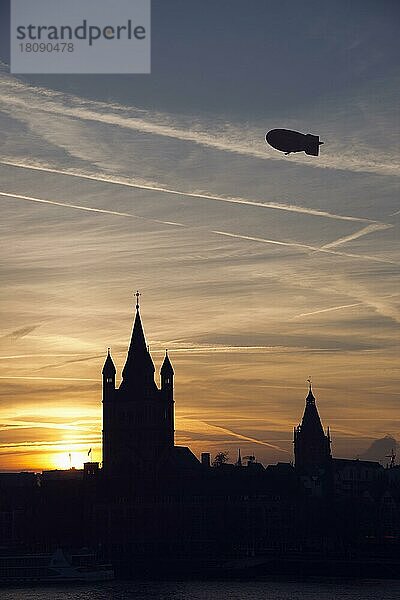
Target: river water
[[327, 589]]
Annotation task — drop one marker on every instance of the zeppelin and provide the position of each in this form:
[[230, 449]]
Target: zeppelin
[[288, 141]]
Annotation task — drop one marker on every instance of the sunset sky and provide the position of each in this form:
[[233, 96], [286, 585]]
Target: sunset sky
[[256, 270]]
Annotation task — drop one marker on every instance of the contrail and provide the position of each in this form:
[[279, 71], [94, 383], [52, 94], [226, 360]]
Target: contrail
[[47, 378], [15, 356], [67, 362], [161, 124], [265, 241], [87, 208], [325, 310], [354, 236], [214, 197], [17, 424], [61, 443], [246, 438], [389, 418], [305, 247], [222, 233], [227, 349]]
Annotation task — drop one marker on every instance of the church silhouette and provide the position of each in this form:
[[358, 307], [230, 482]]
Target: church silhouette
[[138, 417]]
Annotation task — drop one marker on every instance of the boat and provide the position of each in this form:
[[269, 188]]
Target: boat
[[57, 567]]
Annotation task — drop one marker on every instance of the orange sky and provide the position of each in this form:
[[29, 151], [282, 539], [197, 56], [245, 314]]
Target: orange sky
[[227, 396]]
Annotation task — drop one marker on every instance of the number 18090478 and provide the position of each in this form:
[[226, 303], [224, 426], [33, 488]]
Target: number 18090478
[[46, 47]]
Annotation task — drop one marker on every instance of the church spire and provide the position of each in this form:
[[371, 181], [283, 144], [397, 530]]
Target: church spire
[[139, 367], [311, 421], [311, 445]]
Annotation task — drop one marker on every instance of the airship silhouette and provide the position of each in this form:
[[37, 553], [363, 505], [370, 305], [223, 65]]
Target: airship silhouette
[[288, 141]]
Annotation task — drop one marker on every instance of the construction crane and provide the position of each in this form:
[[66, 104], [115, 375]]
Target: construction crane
[[392, 457], [251, 458]]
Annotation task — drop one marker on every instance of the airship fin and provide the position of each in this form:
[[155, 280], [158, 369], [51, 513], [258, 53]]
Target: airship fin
[[312, 145]]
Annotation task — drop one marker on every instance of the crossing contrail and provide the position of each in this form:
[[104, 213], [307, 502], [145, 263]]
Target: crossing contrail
[[357, 234], [215, 232], [246, 438], [305, 247], [87, 208], [155, 188]]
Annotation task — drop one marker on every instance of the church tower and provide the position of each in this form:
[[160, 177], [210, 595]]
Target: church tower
[[138, 417], [312, 447]]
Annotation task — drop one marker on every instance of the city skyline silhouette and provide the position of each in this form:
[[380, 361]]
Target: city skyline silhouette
[[151, 508]]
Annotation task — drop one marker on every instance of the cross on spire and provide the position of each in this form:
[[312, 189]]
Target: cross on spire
[[137, 299], [310, 398]]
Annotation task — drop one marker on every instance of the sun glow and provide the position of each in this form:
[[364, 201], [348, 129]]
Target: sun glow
[[64, 460]]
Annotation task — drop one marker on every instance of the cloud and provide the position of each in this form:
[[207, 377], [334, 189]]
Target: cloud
[[20, 99], [19, 333], [380, 450]]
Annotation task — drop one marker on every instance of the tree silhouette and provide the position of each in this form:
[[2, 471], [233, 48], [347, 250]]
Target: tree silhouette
[[220, 458]]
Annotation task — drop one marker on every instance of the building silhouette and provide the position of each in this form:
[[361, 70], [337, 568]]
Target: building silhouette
[[138, 417]]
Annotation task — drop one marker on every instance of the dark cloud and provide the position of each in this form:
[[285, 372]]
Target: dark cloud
[[69, 362], [380, 450], [23, 392], [19, 333], [283, 342]]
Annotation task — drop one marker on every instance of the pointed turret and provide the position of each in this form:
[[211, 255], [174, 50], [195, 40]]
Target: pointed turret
[[167, 390], [166, 368], [109, 369], [138, 371], [167, 376], [108, 372]]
